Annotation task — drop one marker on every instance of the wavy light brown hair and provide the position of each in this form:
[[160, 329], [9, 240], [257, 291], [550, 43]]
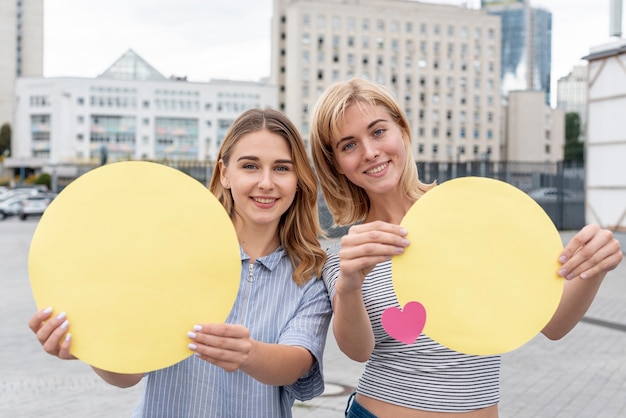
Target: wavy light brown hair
[[347, 202], [299, 226]]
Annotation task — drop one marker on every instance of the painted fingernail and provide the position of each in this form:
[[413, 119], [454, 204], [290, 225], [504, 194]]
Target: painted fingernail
[[192, 346], [399, 250], [563, 258], [197, 327], [191, 334], [403, 231], [48, 310], [562, 272], [61, 316], [583, 275], [68, 337], [65, 324], [569, 276], [405, 242]]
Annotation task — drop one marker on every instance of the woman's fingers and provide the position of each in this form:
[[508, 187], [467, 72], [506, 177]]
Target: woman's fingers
[[225, 345], [590, 252], [51, 332]]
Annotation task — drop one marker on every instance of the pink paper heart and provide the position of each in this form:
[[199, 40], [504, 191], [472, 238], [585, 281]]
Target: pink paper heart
[[405, 325]]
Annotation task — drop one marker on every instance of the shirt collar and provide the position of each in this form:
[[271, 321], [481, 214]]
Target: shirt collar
[[270, 261]]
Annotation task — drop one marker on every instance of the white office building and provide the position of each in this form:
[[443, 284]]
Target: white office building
[[442, 62], [21, 48], [572, 94], [130, 111], [534, 132]]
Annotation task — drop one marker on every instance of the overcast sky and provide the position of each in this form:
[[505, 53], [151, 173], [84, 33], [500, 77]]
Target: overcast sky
[[231, 39]]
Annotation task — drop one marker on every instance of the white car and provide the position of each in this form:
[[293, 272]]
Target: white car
[[550, 193], [34, 205], [11, 205]]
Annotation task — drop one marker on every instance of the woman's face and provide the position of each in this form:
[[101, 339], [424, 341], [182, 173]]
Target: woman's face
[[261, 177], [369, 149]]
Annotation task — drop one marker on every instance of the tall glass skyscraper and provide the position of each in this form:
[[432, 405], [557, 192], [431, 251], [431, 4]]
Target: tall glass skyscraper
[[526, 45]]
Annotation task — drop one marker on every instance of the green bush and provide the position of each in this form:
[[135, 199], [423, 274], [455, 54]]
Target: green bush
[[44, 178]]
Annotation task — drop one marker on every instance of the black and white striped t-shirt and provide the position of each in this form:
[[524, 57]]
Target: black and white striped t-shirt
[[424, 375]]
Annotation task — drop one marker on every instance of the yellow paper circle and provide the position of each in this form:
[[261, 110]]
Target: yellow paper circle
[[135, 253], [483, 261]]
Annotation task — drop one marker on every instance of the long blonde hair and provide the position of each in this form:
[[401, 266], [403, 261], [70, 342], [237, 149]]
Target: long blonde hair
[[299, 227], [347, 202]]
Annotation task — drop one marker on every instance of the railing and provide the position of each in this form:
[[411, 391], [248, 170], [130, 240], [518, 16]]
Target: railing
[[557, 187]]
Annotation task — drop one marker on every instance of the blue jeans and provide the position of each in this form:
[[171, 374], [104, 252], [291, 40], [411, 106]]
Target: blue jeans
[[356, 410]]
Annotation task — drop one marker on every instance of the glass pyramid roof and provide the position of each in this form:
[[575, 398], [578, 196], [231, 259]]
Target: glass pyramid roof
[[131, 66]]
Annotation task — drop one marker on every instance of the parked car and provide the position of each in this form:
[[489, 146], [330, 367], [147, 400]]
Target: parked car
[[34, 205], [550, 193], [11, 205]]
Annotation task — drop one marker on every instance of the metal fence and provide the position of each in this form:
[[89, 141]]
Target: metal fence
[[557, 187]]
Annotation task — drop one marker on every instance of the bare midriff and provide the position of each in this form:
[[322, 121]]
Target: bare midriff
[[387, 410]]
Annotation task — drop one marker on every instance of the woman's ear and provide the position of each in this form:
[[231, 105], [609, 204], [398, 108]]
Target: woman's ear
[[223, 175]]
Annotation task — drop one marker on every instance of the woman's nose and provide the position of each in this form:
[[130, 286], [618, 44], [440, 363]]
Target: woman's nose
[[266, 181], [370, 151]]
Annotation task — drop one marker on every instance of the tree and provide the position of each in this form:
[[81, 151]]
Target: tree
[[574, 148], [5, 139], [45, 179]]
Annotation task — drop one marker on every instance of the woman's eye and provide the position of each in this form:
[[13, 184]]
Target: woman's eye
[[249, 166], [348, 146], [282, 168], [379, 132]]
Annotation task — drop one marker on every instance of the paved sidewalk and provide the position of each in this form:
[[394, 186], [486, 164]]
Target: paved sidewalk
[[583, 375]]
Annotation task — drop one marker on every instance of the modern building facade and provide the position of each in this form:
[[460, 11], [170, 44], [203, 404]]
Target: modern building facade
[[21, 48], [605, 144], [526, 45], [534, 131], [442, 62], [572, 94], [130, 111]]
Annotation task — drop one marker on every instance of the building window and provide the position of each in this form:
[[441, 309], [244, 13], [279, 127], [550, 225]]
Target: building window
[[321, 22], [176, 138], [351, 23]]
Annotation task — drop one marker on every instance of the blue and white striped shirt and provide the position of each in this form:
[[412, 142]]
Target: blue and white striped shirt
[[424, 375], [275, 310]]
